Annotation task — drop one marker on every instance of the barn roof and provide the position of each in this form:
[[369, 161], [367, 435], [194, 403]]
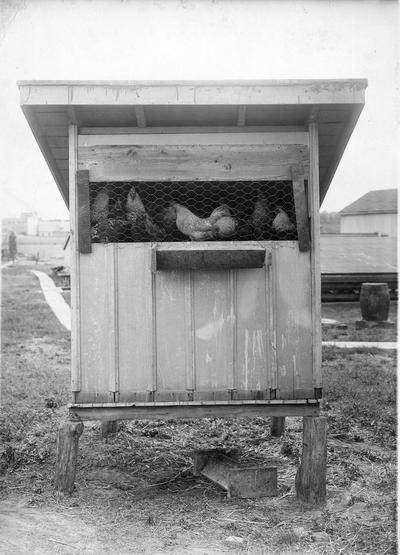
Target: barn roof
[[50, 106], [383, 201], [349, 254]]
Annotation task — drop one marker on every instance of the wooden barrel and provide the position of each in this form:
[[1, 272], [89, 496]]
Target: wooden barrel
[[375, 300]]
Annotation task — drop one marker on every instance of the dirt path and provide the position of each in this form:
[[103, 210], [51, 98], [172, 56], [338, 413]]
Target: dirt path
[[25, 529], [54, 299]]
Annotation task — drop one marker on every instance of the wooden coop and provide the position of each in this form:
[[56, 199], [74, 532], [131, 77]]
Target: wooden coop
[[195, 277]]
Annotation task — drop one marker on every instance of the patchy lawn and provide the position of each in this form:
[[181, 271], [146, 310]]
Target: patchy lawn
[[348, 314], [135, 492]]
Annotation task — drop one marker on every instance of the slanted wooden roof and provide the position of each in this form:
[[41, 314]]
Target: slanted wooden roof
[[50, 106], [383, 201]]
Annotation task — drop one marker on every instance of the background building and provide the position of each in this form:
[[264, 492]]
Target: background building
[[375, 212]]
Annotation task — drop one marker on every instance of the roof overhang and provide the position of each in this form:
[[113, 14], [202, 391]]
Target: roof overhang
[[167, 106]]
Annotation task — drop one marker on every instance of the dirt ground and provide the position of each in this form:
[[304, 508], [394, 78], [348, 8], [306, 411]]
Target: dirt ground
[[135, 492]]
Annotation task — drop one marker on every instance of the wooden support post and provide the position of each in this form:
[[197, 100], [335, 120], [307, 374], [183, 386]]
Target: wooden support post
[[67, 452], [311, 476], [108, 427], [277, 426]]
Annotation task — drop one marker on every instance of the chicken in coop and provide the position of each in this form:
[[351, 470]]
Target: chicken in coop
[[99, 216], [142, 226], [219, 212], [220, 224], [262, 217], [282, 222]]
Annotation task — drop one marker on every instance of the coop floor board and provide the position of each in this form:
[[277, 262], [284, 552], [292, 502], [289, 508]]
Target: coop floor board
[[154, 411]]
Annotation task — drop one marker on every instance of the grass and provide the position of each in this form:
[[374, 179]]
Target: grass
[[137, 488], [348, 314]]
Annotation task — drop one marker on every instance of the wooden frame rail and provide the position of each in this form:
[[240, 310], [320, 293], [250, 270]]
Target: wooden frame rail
[[219, 409]]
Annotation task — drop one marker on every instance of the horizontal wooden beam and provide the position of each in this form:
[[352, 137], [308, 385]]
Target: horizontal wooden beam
[[196, 139], [187, 93], [192, 129], [209, 259], [185, 162], [164, 411]]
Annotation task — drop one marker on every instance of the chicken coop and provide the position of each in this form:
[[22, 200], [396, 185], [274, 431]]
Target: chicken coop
[[194, 206]]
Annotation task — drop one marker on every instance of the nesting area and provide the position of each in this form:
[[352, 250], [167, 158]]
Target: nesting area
[[192, 211]]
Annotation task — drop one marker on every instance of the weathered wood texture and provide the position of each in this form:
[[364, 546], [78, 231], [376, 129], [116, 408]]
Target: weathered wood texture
[[165, 411], [75, 262], [67, 452], [185, 129], [277, 426], [268, 92], [98, 326], [301, 206], [311, 475], [209, 259], [187, 335], [82, 191], [238, 480], [197, 163], [108, 427], [375, 301], [293, 323], [314, 203], [188, 136]]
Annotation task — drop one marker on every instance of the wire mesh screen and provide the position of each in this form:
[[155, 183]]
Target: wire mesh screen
[[192, 211]]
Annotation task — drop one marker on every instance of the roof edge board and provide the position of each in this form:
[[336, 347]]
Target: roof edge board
[[184, 93], [46, 151], [156, 83], [348, 130]]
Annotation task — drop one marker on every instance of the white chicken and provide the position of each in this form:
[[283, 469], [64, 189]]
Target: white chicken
[[219, 224], [282, 222]]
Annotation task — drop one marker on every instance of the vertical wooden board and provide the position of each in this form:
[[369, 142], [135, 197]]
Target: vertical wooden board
[[75, 272], [213, 318], [314, 203], [251, 330], [135, 318], [300, 202], [96, 333], [173, 331], [294, 321], [83, 204]]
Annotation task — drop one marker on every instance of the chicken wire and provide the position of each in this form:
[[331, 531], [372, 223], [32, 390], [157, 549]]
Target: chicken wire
[[192, 211]]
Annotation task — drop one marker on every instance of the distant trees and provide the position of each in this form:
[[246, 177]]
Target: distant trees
[[329, 222], [12, 246]]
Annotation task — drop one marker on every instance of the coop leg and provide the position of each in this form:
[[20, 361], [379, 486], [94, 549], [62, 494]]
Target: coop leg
[[277, 426], [311, 476], [67, 452], [108, 427]]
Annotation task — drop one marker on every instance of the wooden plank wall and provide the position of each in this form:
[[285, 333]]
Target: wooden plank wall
[[194, 156], [172, 162], [194, 334]]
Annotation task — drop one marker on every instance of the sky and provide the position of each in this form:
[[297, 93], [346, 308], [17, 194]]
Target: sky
[[194, 40]]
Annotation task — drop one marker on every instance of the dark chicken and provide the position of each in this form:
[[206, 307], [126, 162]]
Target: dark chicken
[[100, 230], [262, 218]]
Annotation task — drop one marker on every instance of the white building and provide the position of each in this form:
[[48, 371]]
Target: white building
[[375, 212]]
